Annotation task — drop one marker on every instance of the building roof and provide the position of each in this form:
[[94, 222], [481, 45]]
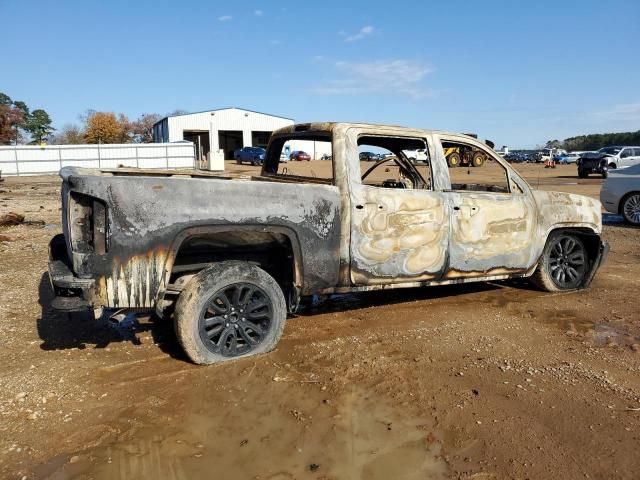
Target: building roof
[[220, 109]]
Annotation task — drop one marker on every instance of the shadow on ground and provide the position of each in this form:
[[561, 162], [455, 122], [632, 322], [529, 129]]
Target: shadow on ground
[[61, 331], [614, 220], [356, 301]]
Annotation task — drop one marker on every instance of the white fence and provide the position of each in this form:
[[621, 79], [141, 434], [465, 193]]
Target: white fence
[[41, 160]]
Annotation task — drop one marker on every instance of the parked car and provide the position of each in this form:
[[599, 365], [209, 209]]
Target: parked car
[[593, 162], [620, 157], [571, 157], [620, 193], [417, 156], [538, 157], [299, 155], [253, 155], [515, 157], [369, 157], [226, 270]]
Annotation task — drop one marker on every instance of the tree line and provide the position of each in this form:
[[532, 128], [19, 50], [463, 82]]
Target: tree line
[[19, 125], [596, 141]]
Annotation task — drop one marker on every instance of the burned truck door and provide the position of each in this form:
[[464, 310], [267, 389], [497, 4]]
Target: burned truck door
[[492, 218], [399, 225]]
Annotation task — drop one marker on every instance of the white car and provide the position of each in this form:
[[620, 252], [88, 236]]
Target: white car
[[415, 156], [621, 157], [620, 193]]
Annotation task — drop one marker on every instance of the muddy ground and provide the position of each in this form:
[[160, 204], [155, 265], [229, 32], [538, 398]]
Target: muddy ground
[[475, 382]]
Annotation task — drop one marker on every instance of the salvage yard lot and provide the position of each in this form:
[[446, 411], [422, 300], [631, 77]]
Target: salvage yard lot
[[475, 381]]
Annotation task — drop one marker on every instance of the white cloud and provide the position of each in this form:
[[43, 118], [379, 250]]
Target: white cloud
[[364, 32], [258, 13], [225, 18], [404, 77]]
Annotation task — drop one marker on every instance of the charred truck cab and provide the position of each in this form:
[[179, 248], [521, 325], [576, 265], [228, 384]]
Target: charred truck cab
[[234, 254]]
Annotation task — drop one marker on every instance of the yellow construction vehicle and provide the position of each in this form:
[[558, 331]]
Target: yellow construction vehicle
[[461, 155]]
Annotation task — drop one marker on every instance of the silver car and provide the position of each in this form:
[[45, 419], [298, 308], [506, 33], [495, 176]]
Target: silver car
[[621, 193]]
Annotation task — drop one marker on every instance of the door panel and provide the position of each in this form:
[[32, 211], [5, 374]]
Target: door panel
[[628, 160], [398, 235], [491, 234]]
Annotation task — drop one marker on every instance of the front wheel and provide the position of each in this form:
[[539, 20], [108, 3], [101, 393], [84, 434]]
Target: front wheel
[[229, 310], [631, 209], [563, 265]]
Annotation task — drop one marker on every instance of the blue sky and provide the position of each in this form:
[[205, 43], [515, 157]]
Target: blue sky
[[519, 73]]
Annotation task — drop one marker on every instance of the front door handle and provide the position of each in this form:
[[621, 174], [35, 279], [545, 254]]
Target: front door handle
[[467, 210]]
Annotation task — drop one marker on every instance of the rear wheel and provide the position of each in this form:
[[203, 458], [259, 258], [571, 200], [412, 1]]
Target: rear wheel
[[583, 173], [477, 160], [232, 309], [563, 265], [631, 208], [453, 160], [238, 161]]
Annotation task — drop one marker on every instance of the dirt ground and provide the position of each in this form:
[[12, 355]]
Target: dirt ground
[[484, 381]]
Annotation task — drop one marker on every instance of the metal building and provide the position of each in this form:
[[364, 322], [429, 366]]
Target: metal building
[[224, 129]]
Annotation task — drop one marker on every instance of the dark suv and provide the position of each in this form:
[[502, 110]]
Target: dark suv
[[253, 155]]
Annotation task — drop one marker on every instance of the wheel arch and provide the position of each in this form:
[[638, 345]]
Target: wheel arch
[[590, 238], [259, 242]]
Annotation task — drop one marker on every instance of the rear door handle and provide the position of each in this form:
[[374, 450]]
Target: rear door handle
[[360, 206]]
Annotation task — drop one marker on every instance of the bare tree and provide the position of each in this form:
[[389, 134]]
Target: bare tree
[[142, 128], [69, 135]]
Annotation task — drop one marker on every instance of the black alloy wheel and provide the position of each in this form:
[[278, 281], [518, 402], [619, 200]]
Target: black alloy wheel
[[567, 261], [236, 319]]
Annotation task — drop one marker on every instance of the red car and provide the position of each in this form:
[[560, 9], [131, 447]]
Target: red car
[[299, 155]]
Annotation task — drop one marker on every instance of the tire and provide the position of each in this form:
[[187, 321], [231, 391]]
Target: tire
[[630, 208], [563, 264], [605, 173], [477, 160], [583, 173], [453, 160], [613, 166], [238, 161], [224, 292]]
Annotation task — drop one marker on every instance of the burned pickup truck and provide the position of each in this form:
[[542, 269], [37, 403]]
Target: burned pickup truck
[[226, 258]]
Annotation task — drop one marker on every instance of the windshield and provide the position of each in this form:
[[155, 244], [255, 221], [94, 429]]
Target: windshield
[[610, 150]]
